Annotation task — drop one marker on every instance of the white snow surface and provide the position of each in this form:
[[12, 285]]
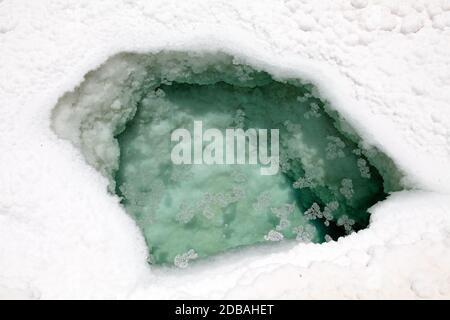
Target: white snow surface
[[385, 65]]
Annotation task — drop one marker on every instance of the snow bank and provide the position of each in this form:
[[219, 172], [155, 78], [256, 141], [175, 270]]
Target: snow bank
[[62, 235]]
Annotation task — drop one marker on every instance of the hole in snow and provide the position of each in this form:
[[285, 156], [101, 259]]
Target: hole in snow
[[122, 116]]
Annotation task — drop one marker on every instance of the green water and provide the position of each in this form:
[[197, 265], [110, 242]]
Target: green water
[[121, 118], [322, 190]]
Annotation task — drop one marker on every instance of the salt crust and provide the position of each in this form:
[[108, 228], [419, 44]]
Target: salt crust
[[384, 65]]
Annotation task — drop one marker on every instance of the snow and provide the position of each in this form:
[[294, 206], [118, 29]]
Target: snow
[[411, 24], [63, 236], [359, 4]]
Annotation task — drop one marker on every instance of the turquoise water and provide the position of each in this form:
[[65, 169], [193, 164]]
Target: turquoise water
[[322, 190], [122, 117]]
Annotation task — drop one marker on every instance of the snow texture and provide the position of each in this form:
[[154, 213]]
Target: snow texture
[[384, 65]]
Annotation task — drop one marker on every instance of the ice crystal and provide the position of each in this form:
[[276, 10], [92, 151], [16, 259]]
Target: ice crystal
[[186, 214], [182, 260], [304, 233], [314, 212], [304, 182], [328, 211], [363, 168], [347, 188], [283, 213], [334, 148], [346, 222], [274, 235]]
